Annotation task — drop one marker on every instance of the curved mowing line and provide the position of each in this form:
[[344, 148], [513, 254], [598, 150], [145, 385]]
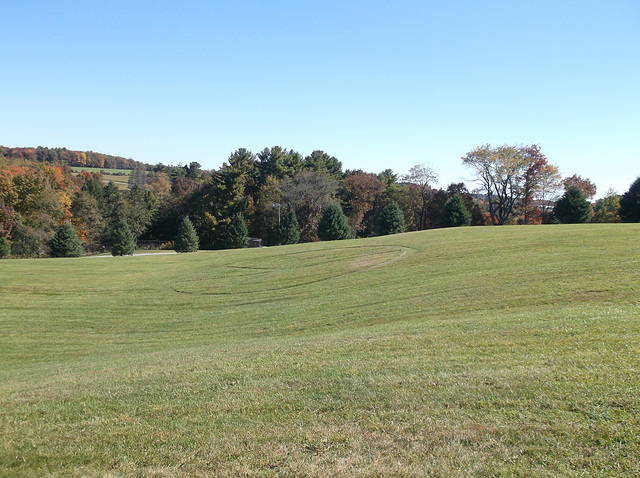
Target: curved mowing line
[[404, 252]]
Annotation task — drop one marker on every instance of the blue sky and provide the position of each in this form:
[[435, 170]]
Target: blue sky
[[378, 84]]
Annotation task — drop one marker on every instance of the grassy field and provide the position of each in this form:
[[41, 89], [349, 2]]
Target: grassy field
[[119, 177], [494, 351]]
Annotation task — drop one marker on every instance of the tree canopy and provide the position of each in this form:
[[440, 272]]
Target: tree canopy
[[630, 203], [39, 191], [573, 207], [237, 235]]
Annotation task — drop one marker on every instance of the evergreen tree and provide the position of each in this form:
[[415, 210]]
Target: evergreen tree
[[289, 229], [333, 224], [572, 207], [123, 242], [186, 240], [5, 248], [454, 213], [65, 242], [630, 203], [237, 235], [391, 220]]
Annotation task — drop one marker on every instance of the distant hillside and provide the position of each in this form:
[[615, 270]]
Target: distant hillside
[[71, 158]]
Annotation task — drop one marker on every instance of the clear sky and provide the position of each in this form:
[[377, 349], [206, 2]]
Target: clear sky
[[378, 84]]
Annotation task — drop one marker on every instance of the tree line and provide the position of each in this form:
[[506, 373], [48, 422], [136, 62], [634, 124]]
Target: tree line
[[71, 158], [281, 197]]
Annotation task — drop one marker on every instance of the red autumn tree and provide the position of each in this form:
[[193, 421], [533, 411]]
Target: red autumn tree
[[361, 191], [588, 188]]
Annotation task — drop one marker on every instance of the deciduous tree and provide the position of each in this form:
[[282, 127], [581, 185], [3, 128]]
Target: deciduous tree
[[531, 182], [87, 218], [549, 188], [361, 191], [500, 172], [607, 208], [422, 176], [587, 187], [307, 193]]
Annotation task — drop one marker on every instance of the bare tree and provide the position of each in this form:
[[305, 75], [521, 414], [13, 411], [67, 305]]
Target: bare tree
[[307, 193], [422, 176]]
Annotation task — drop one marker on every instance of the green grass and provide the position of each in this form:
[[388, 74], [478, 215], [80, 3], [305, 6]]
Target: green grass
[[119, 172], [119, 177], [471, 351]]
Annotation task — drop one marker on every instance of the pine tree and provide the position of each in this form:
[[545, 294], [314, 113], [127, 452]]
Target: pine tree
[[630, 203], [289, 229], [333, 224], [123, 242], [237, 235], [454, 213], [572, 207], [186, 240], [65, 242], [391, 220]]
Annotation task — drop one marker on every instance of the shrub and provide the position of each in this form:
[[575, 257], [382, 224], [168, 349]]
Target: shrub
[[454, 213], [289, 229], [123, 242], [391, 220], [186, 240], [333, 224], [237, 235], [27, 241], [65, 242], [5, 248], [630, 203], [572, 207]]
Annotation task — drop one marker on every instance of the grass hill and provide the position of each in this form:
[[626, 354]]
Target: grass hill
[[453, 352], [119, 177]]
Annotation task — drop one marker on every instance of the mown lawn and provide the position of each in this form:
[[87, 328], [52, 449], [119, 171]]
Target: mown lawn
[[472, 351]]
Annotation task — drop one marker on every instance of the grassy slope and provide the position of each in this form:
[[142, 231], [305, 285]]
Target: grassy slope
[[119, 177], [511, 350]]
